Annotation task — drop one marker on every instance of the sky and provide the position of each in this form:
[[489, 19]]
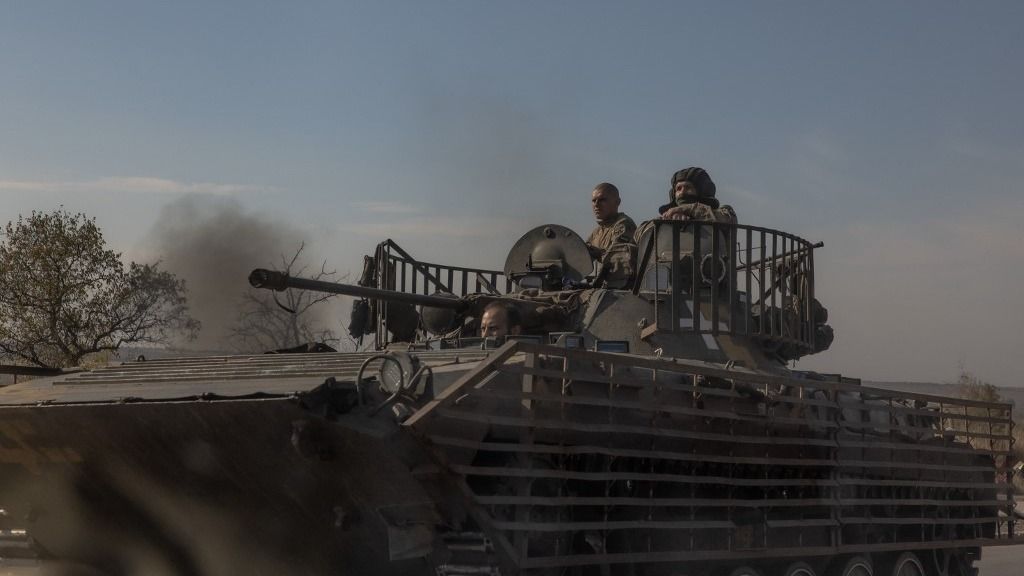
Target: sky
[[891, 132]]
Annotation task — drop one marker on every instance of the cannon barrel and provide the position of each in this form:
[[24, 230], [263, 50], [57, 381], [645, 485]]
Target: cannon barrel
[[273, 280]]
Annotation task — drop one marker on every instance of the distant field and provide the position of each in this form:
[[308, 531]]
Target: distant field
[[1015, 395]]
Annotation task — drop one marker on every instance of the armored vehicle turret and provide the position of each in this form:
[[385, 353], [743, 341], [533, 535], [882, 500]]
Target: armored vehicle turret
[[744, 295], [640, 418]]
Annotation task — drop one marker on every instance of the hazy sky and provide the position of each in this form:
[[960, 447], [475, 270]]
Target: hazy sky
[[892, 132]]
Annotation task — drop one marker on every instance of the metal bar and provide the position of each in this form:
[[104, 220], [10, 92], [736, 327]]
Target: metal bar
[[580, 450], [887, 464], [412, 260], [749, 285], [551, 424], [522, 513], [918, 447], [810, 299], [897, 428], [675, 307], [858, 481], [381, 264], [685, 366], [645, 260], [765, 314], [271, 280], [644, 502], [835, 512], [799, 523], [615, 525], [482, 369], [916, 521], [731, 250], [805, 246], [695, 276], [806, 307], [715, 254], [658, 308], [722, 502], [650, 407], [487, 285], [505, 472], [482, 518], [776, 325], [422, 267], [785, 272], [598, 378]]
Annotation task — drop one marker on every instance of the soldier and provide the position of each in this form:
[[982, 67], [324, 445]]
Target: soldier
[[613, 227], [500, 319], [691, 196]]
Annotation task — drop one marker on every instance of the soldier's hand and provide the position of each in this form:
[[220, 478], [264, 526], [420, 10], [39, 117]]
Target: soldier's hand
[[675, 213]]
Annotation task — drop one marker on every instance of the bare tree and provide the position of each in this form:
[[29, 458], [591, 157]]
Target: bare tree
[[276, 320], [64, 295]]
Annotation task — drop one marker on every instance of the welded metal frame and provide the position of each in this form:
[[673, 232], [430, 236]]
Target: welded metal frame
[[673, 461], [762, 266], [397, 270]]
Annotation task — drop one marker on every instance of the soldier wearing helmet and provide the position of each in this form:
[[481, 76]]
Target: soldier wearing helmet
[[691, 196]]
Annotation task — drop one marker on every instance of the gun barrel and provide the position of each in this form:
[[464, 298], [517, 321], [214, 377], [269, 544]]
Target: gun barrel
[[273, 280]]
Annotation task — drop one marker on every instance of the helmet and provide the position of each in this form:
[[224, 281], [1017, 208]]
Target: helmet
[[700, 179]]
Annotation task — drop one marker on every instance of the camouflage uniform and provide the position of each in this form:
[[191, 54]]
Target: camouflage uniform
[[618, 229], [705, 213], [613, 240]]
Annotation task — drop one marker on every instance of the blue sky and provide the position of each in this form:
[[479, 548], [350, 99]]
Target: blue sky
[[889, 131]]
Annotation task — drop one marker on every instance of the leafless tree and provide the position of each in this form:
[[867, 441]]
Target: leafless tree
[[276, 320]]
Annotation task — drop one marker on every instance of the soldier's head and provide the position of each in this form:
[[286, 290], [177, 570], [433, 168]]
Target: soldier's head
[[692, 185], [604, 200], [500, 319]]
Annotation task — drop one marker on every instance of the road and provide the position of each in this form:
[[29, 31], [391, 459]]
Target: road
[[996, 561], [1002, 561]]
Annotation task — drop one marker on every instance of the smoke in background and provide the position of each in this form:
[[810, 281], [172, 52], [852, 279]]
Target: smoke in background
[[213, 244]]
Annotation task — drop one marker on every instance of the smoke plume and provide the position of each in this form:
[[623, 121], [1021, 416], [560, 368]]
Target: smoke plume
[[213, 244]]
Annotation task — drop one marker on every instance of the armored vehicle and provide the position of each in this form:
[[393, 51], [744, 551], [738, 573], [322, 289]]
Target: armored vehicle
[[636, 416]]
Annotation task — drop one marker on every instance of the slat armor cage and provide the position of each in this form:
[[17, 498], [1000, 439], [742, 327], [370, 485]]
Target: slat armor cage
[[579, 458], [750, 281]]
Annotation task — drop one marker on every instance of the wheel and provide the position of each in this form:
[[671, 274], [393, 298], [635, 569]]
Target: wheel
[[745, 571], [799, 569], [907, 564], [854, 566], [941, 561]]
